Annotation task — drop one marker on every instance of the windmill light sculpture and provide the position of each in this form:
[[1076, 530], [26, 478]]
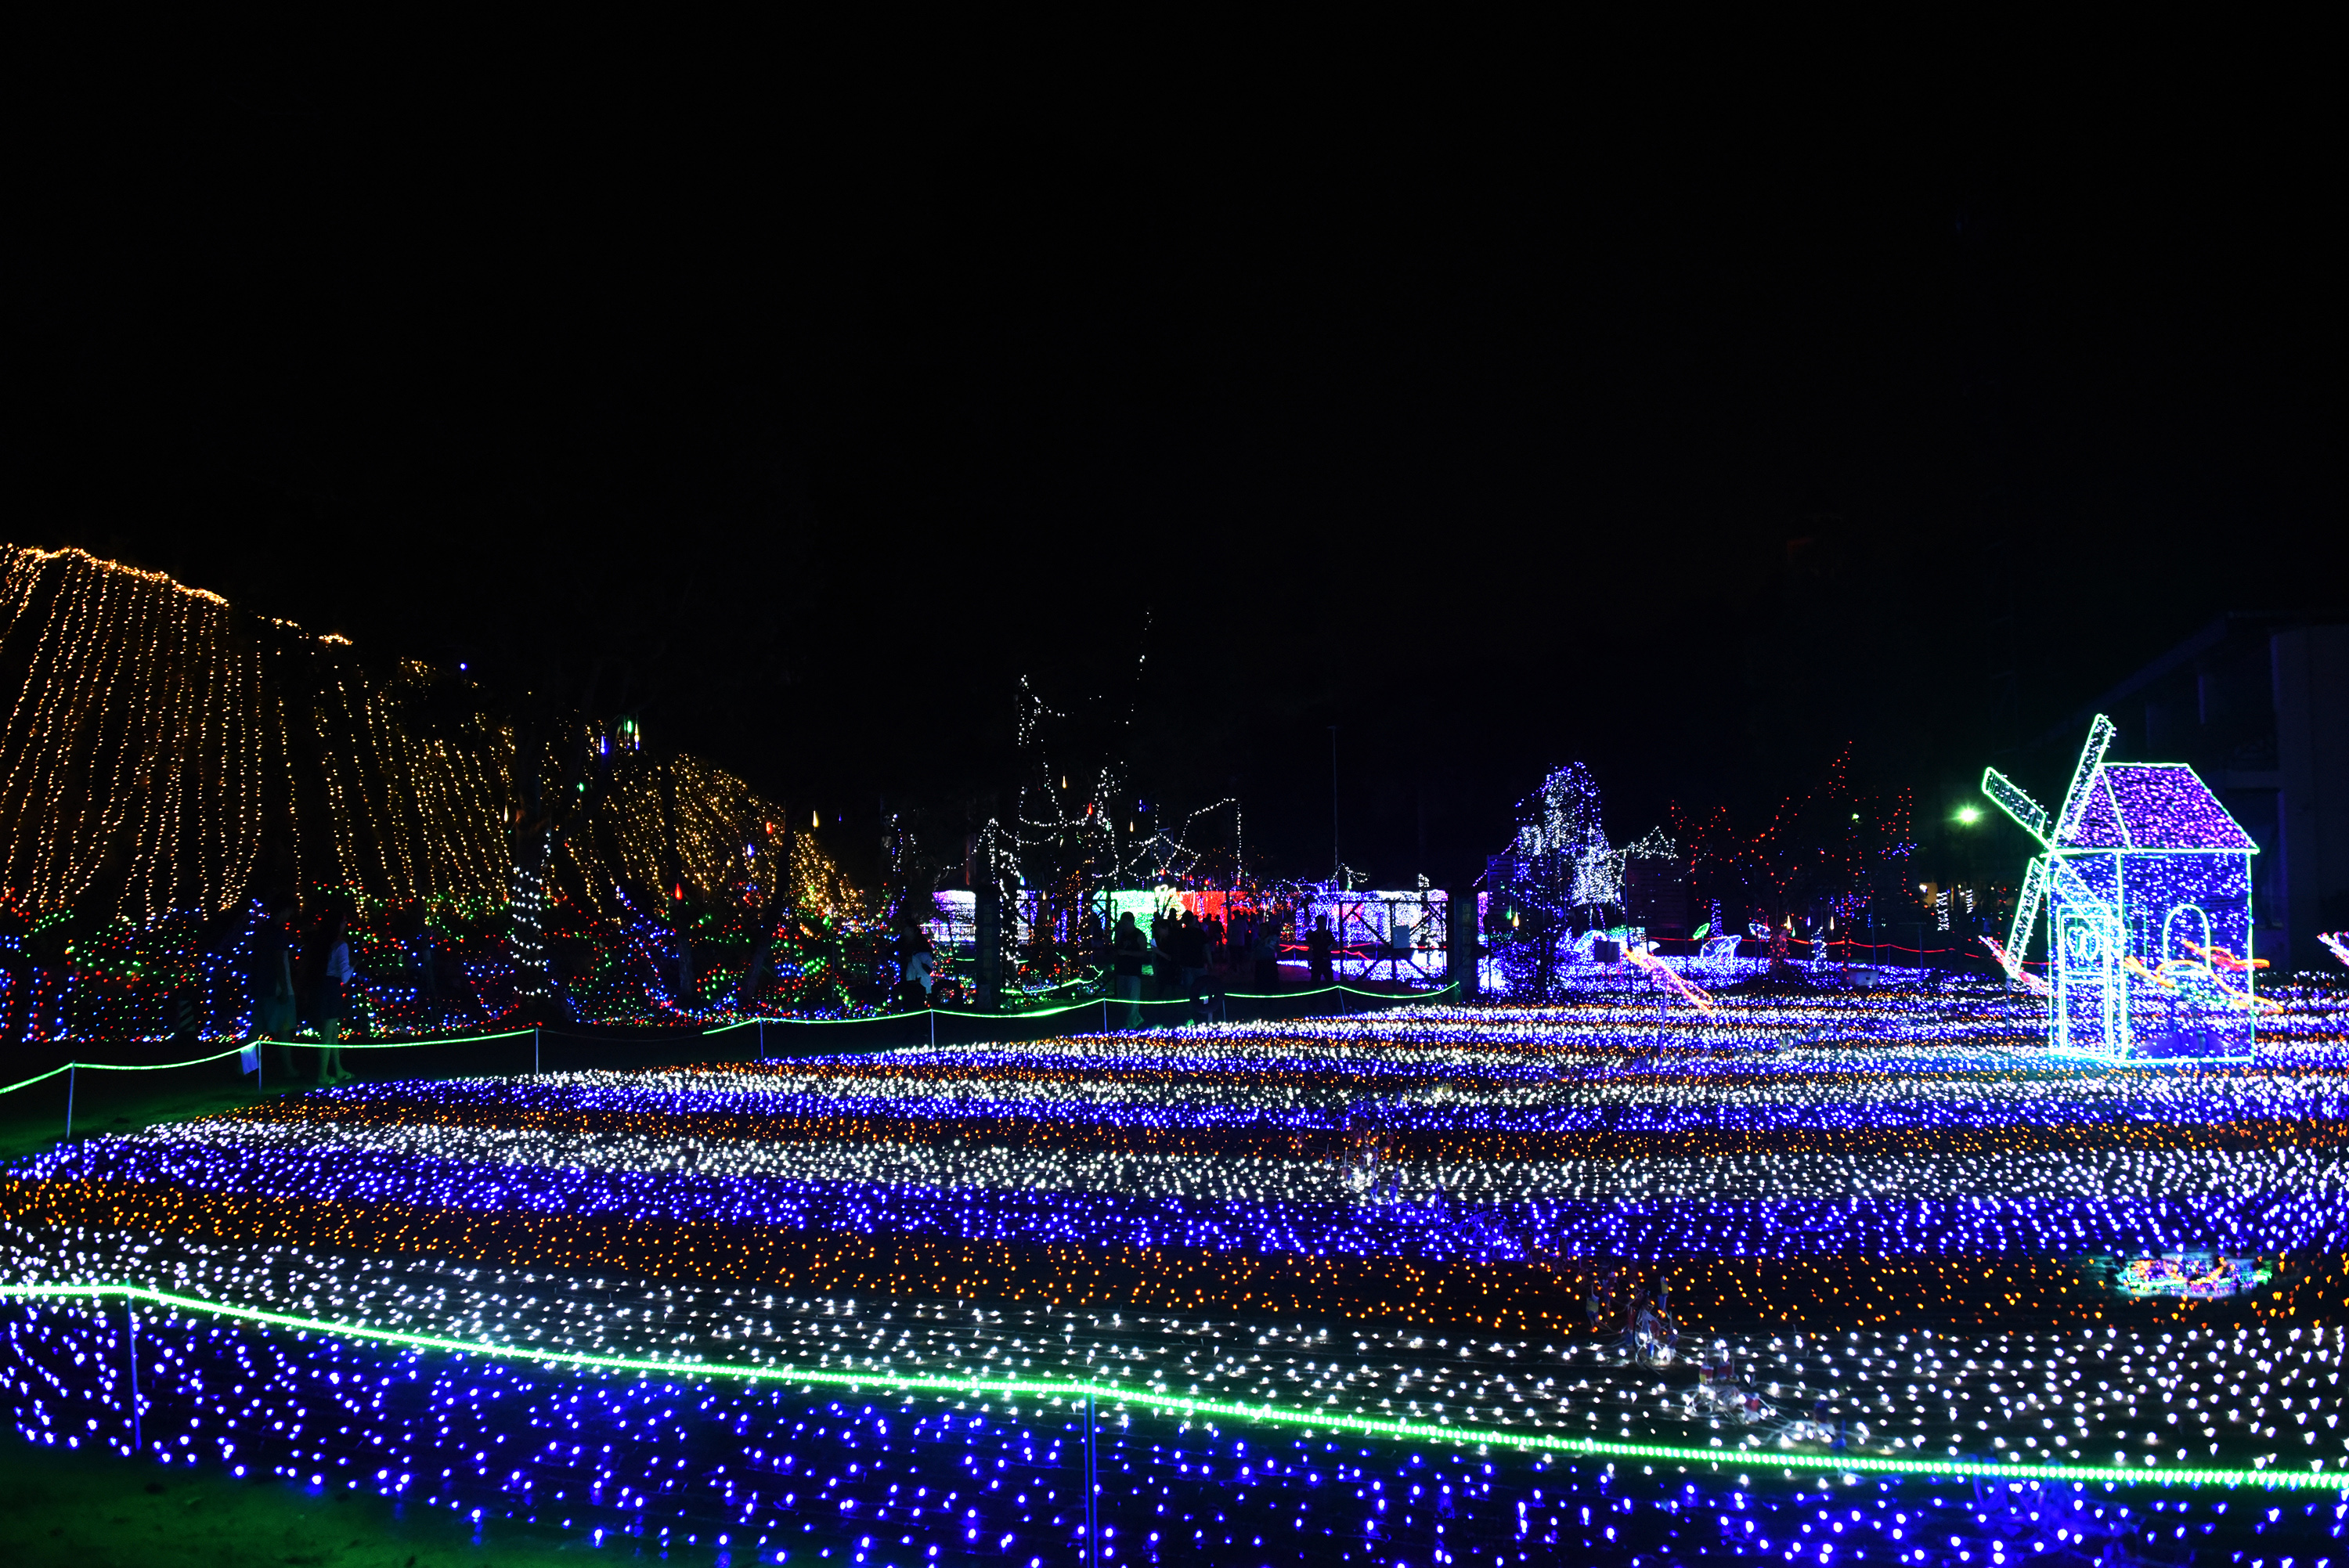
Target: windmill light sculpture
[[2147, 882]]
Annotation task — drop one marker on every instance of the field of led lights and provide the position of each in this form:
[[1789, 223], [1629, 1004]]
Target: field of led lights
[[1831, 1278]]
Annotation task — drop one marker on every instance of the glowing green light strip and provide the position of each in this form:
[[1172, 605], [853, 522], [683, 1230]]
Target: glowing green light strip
[[381, 1045], [258, 1042], [1192, 1410], [156, 1066], [1092, 1001], [1351, 990], [36, 1077], [121, 1067]]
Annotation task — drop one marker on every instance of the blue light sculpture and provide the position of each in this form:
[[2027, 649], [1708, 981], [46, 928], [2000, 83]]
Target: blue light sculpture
[[2146, 881]]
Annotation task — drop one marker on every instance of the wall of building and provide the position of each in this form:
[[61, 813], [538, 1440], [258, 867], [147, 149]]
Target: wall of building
[[2310, 678], [2259, 706]]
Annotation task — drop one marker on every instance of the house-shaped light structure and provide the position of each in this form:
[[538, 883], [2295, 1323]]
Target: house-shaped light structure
[[2147, 882]]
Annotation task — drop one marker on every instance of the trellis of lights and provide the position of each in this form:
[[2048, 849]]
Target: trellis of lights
[[1058, 832]]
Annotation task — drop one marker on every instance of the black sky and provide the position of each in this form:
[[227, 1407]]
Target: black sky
[[1693, 445]]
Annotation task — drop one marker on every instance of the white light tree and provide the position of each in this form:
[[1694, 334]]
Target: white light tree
[[1559, 867]]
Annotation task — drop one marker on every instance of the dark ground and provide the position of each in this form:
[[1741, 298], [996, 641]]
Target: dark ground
[[97, 1511]]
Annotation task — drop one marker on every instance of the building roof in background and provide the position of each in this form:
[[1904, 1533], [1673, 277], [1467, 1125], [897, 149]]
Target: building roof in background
[[2261, 624]]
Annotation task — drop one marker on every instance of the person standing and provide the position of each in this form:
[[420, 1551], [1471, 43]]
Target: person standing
[[1126, 953], [1191, 955], [1264, 944], [274, 1009], [332, 985], [1223, 955], [922, 967], [1163, 933], [1318, 952]]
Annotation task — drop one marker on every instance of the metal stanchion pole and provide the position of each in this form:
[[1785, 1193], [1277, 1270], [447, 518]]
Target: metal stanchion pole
[[69, 1091], [130, 1336], [1093, 1489], [762, 1039], [533, 1050]]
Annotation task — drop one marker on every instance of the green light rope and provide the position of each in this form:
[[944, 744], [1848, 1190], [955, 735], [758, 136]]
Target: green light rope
[[382, 1045], [1192, 1410], [158, 1067], [36, 1077], [1093, 1002], [705, 1034]]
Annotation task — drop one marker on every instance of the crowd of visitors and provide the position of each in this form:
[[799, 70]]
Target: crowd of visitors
[[1180, 955]]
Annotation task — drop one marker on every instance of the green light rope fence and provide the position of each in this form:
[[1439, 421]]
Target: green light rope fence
[[250, 1045], [36, 1077], [1096, 1002], [387, 1045], [1269, 1415], [1105, 1002]]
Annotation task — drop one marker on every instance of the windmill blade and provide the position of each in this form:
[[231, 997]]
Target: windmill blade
[[2009, 798], [2090, 904], [2092, 758], [2027, 900]]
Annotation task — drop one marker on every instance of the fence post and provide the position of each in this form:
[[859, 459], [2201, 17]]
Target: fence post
[[130, 1336], [1459, 938], [988, 963], [762, 1039], [934, 1028], [533, 1050], [70, 1089]]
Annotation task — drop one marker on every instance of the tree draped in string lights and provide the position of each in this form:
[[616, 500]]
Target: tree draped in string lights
[[1557, 876], [1544, 877], [170, 769], [1835, 851]]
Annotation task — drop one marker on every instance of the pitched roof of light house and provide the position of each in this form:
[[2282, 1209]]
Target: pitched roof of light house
[[2153, 806]]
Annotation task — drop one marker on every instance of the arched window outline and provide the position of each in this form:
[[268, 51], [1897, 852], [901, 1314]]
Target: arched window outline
[[2171, 947]]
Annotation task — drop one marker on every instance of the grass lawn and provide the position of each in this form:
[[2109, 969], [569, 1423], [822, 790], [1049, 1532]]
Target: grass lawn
[[95, 1510], [33, 1120]]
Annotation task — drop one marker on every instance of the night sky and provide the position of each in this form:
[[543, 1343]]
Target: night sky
[[1685, 444]]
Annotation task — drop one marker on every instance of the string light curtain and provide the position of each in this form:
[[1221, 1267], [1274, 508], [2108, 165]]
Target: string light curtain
[[171, 769]]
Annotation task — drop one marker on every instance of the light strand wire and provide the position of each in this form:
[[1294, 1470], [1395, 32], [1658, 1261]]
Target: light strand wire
[[695, 1035], [1310, 1421]]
